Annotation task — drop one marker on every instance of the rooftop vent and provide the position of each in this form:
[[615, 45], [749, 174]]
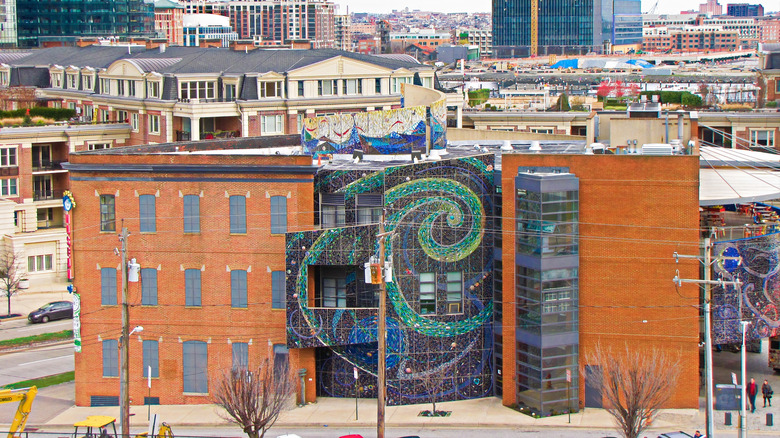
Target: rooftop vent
[[657, 149]]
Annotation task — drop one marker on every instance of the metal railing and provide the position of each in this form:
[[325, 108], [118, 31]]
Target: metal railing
[[43, 195], [41, 165]]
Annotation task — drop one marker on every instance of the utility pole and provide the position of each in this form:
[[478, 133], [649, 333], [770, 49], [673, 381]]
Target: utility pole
[[381, 337], [124, 356], [707, 282]]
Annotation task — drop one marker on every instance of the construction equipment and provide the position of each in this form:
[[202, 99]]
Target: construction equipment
[[97, 426], [534, 28], [25, 397], [164, 432]]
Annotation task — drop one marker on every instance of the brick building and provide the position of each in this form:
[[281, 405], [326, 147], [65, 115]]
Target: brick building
[[208, 231], [606, 265], [168, 17]]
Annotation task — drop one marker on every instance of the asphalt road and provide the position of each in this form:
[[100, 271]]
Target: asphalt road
[[19, 328], [40, 362]]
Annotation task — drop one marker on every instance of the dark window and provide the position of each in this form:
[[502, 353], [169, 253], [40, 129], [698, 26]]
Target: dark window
[[238, 289], [281, 360], [332, 210], [300, 88], [334, 292], [195, 367], [278, 214], [110, 358], [238, 214], [378, 86], [191, 214], [240, 355], [192, 287], [151, 358], [147, 213], [107, 213], [369, 208], [427, 293], [277, 290], [148, 287], [454, 292], [108, 294]]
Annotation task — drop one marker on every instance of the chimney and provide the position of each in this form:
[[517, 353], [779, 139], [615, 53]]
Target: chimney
[[84, 42], [242, 45]]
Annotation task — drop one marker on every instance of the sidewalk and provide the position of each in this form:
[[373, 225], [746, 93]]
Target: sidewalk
[[340, 413], [54, 411]]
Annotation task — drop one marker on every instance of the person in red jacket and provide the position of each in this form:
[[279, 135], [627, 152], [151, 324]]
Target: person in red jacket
[[752, 390]]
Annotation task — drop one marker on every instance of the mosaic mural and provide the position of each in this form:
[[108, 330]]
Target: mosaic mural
[[759, 295], [395, 131], [437, 212]]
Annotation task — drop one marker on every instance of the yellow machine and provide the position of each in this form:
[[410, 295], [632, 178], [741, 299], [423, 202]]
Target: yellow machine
[[25, 397], [97, 426]]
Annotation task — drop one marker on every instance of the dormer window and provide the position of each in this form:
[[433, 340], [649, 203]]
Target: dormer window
[[153, 90], [87, 82], [271, 89], [105, 86], [73, 81], [196, 90], [5, 77], [56, 80]]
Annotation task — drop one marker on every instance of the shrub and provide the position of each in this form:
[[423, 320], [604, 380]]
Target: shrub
[[477, 97], [771, 104], [49, 113], [691, 100]]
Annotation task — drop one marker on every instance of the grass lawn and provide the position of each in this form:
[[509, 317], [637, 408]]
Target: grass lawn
[[56, 336], [43, 382]]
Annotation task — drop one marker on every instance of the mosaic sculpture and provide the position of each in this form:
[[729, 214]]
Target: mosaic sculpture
[[438, 213], [758, 297], [394, 131]]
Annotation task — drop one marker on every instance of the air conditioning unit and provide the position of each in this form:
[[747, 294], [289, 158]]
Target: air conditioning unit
[[657, 149]]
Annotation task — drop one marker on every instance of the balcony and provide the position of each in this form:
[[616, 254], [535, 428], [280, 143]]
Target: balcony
[[46, 195], [45, 165]]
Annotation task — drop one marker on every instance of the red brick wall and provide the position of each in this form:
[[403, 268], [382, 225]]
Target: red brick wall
[[635, 212], [171, 250]]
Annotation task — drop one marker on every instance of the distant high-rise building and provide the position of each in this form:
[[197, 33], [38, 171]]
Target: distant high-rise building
[[168, 21], [712, 7], [567, 27], [343, 32], [281, 22], [55, 22], [745, 10], [7, 23]]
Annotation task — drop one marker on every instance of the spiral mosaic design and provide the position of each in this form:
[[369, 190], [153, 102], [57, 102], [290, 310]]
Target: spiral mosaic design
[[759, 272], [437, 212]]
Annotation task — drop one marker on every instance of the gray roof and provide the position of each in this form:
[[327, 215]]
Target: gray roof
[[184, 60]]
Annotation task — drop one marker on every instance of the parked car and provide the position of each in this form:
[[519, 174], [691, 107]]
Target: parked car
[[52, 311], [678, 434]]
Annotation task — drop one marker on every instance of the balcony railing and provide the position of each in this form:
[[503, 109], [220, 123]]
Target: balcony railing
[[43, 165], [212, 100], [43, 195]]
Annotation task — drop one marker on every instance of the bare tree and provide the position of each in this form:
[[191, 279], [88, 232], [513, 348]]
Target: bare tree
[[254, 399], [11, 272], [635, 384]]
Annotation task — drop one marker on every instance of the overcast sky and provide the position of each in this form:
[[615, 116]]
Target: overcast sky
[[664, 6]]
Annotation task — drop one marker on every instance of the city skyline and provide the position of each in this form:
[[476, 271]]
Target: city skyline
[[664, 6]]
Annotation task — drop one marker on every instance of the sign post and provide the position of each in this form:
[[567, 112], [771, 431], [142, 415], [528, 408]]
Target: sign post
[[355, 372]]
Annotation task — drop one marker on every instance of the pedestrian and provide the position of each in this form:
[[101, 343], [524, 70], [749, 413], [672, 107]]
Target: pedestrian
[[752, 390], [766, 391], [697, 434]]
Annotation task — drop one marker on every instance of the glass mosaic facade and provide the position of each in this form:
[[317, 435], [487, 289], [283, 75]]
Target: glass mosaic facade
[[565, 26], [547, 269]]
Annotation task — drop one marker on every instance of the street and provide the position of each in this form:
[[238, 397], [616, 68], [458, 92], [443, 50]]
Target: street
[[40, 362], [20, 328]]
